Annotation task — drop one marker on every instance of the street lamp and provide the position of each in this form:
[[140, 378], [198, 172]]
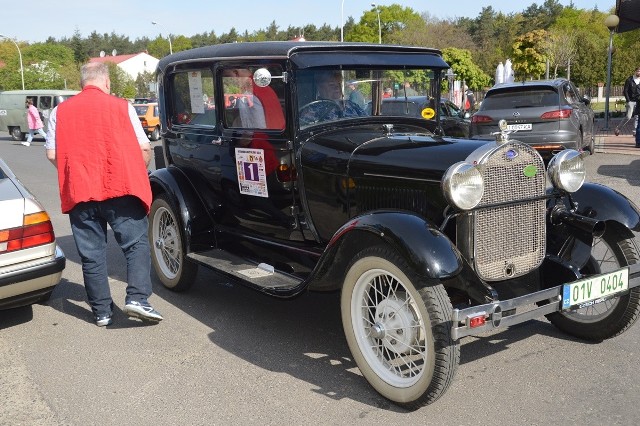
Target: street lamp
[[379, 27], [342, 22], [168, 37], [611, 22], [20, 55]]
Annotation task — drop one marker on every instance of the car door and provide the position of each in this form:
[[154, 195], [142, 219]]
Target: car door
[[256, 158]]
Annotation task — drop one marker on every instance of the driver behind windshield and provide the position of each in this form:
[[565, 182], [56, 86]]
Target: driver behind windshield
[[329, 103]]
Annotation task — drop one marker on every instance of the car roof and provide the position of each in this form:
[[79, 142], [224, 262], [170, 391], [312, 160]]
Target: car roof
[[556, 82], [338, 53]]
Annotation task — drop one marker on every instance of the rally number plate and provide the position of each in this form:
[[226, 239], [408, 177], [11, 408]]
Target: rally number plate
[[594, 289]]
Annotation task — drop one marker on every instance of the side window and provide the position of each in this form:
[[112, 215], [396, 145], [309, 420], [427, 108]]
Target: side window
[[34, 99], [247, 105], [45, 102], [190, 99]]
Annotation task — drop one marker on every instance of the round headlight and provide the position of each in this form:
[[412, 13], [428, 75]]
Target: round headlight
[[567, 171], [463, 185]]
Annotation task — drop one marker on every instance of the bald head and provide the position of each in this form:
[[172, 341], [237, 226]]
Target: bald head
[[95, 74]]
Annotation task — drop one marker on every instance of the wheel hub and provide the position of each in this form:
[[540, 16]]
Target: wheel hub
[[395, 324]]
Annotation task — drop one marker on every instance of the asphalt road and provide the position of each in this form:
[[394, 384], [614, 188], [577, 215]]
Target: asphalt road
[[227, 355]]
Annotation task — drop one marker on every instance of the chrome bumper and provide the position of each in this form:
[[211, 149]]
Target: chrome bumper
[[493, 311]]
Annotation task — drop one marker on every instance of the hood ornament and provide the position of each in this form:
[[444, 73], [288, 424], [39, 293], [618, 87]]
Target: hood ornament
[[503, 135]]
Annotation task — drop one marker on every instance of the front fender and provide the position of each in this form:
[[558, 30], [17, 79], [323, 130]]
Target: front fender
[[567, 252], [603, 203], [196, 223], [425, 248]]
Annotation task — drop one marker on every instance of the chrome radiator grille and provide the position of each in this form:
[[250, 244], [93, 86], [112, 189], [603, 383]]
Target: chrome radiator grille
[[509, 241]]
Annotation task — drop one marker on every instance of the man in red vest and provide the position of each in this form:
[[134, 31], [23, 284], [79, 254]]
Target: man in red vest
[[97, 143]]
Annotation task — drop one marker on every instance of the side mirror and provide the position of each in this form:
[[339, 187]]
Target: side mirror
[[586, 100], [262, 77]]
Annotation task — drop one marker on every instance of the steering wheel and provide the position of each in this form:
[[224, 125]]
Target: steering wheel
[[319, 110]]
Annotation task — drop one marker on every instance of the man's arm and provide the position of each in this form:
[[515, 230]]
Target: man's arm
[[50, 143], [143, 140]]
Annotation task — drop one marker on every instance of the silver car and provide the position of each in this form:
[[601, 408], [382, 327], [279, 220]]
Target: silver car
[[31, 263], [549, 115]]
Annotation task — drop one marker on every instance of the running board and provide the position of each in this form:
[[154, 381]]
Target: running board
[[262, 277]]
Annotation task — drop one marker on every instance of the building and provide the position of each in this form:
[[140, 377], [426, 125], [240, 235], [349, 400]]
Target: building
[[133, 64]]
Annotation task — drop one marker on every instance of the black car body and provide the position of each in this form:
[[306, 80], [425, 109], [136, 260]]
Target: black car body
[[550, 115], [428, 238]]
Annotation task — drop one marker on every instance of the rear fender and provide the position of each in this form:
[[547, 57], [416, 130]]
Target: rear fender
[[196, 221]]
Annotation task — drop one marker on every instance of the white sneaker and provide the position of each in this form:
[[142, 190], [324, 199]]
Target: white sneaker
[[26, 143]]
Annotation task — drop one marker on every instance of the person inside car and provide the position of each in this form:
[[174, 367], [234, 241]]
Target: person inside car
[[329, 101]]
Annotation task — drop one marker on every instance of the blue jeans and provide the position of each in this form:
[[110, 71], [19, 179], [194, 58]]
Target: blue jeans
[[32, 133], [128, 219]]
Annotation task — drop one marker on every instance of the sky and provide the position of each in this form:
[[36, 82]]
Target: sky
[[35, 21]]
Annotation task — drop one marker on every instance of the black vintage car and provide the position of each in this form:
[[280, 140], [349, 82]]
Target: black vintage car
[[270, 175]]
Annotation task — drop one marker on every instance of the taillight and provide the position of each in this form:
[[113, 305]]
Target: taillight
[[36, 230], [559, 114], [481, 119]]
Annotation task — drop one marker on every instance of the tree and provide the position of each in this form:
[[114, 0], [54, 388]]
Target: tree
[[122, 84], [529, 59], [560, 49], [143, 84], [460, 61], [392, 18]]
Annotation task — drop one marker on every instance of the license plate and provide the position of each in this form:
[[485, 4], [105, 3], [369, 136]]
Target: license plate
[[526, 126], [594, 289]]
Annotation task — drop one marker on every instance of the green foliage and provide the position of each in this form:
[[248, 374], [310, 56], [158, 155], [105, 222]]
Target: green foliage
[[463, 67], [143, 83], [529, 60], [121, 84], [489, 38]]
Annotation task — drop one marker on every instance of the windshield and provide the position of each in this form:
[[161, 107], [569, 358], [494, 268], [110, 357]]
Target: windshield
[[523, 97], [325, 95]]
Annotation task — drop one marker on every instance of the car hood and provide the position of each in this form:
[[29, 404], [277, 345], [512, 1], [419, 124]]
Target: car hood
[[370, 150]]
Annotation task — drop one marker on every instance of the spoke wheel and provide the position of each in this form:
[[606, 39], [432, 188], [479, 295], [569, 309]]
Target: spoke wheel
[[613, 316], [174, 270], [400, 336]]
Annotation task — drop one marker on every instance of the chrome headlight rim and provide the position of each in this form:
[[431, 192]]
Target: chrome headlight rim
[[463, 185], [567, 170]]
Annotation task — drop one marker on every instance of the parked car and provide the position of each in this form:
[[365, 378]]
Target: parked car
[[31, 263], [454, 121], [427, 238], [549, 115], [149, 118]]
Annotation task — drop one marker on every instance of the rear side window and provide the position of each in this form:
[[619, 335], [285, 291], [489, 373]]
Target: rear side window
[[45, 102], [192, 99], [522, 98]]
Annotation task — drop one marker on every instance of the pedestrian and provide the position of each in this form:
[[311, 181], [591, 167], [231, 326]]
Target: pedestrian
[[103, 179], [632, 96], [470, 101], [34, 121], [408, 90], [355, 95]]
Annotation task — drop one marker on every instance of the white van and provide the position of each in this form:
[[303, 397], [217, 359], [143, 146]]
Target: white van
[[13, 113]]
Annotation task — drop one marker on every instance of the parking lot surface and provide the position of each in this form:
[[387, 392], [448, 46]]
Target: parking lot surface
[[227, 355]]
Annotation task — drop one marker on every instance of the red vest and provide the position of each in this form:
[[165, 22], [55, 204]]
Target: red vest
[[97, 152]]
